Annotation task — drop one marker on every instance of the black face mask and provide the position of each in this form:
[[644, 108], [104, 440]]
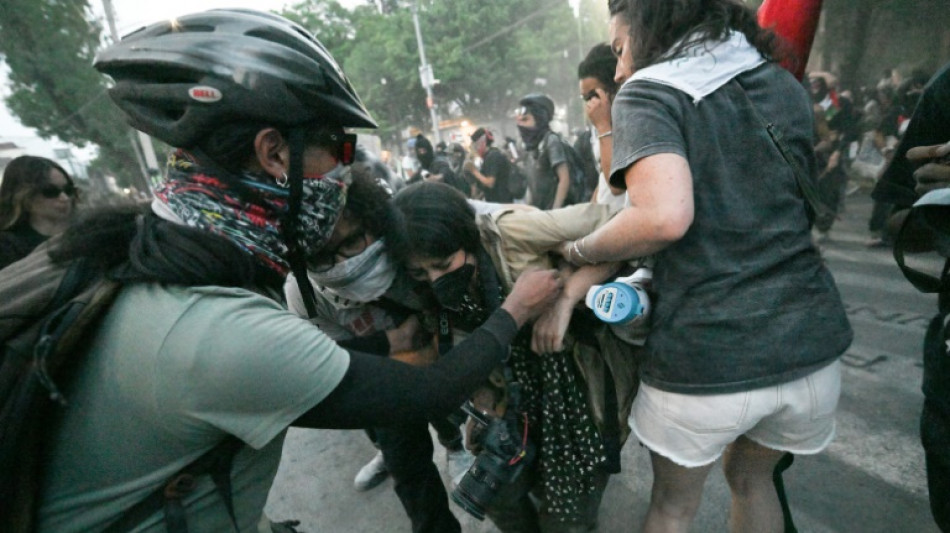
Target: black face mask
[[451, 288], [531, 136]]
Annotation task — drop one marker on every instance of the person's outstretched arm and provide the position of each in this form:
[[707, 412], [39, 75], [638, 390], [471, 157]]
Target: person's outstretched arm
[[376, 391]]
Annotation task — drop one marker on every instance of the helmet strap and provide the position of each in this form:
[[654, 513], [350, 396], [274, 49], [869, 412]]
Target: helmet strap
[[298, 264]]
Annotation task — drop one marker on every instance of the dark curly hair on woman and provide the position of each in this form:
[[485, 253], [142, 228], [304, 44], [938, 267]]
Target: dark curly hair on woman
[[369, 201]]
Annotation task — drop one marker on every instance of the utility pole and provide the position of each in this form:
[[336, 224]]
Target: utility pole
[[576, 5], [144, 151], [426, 76]]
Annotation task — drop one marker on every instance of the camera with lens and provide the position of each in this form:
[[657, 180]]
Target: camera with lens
[[506, 452]]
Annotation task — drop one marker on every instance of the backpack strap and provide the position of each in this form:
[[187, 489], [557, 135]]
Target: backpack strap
[[80, 299], [169, 497], [78, 275]]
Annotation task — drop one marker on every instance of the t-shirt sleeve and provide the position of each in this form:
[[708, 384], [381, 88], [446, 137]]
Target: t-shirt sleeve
[[929, 125], [555, 151], [253, 368], [495, 165], [644, 123]]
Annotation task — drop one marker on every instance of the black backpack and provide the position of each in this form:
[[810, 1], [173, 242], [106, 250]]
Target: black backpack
[[48, 312], [580, 190], [585, 150], [517, 181]]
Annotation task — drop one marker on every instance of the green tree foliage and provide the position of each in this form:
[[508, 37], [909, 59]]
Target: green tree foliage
[[330, 21], [49, 46], [486, 54]]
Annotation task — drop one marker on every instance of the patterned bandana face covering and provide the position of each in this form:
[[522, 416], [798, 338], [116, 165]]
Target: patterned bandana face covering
[[248, 214]]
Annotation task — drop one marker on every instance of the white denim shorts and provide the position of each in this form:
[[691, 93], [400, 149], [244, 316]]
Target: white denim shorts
[[694, 430]]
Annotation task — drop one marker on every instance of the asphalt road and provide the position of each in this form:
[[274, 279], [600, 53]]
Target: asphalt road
[[871, 479]]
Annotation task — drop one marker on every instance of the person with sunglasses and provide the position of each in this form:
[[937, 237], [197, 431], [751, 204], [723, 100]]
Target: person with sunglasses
[[197, 349], [37, 200]]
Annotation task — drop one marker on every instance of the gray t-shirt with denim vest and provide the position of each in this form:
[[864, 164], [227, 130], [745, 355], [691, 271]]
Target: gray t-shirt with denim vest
[[743, 299]]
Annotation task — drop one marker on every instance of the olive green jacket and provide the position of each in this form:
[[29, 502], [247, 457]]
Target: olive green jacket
[[517, 240]]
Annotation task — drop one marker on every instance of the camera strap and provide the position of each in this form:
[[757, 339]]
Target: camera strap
[[491, 296]]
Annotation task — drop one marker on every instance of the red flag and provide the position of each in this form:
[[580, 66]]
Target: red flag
[[795, 22]]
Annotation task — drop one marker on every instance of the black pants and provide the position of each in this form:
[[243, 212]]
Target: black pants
[[878, 221], [407, 452], [830, 186]]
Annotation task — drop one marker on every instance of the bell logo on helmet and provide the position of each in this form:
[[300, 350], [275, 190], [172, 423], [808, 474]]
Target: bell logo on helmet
[[205, 94]]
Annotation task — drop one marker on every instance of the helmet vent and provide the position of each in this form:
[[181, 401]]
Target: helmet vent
[[281, 38], [196, 28]]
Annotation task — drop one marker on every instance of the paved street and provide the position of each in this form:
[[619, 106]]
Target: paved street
[[870, 480]]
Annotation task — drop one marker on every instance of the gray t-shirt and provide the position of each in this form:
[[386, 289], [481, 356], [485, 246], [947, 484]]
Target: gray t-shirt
[[743, 300], [542, 177], [170, 373]]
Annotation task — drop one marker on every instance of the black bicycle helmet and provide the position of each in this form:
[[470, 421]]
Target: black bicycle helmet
[[179, 79]]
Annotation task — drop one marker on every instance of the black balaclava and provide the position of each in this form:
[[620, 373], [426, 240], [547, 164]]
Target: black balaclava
[[541, 107], [423, 150]]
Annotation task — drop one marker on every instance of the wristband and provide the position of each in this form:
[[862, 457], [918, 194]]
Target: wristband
[[607, 133]]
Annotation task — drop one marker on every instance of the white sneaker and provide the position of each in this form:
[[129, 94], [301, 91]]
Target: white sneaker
[[372, 474], [457, 464]]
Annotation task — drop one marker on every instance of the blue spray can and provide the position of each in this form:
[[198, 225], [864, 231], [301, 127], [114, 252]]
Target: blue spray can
[[623, 301]]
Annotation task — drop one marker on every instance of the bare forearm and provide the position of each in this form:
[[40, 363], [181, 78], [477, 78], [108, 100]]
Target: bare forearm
[[585, 277], [628, 235], [606, 154], [563, 185], [661, 194], [487, 181]]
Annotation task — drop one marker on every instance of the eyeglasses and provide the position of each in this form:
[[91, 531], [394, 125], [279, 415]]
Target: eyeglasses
[[52, 191], [352, 246], [589, 95]]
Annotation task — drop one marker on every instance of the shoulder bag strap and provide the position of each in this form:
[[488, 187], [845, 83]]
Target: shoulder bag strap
[[216, 462], [806, 186]]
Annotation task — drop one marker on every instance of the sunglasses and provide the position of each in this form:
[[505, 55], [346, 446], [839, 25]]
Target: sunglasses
[[52, 191]]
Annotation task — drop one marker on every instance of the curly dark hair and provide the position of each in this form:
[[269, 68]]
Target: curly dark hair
[[368, 200], [663, 29]]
